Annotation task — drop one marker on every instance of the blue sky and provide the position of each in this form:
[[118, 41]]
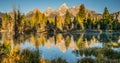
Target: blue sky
[[28, 5]]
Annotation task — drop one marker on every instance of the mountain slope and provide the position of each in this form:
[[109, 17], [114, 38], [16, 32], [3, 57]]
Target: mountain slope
[[116, 15], [61, 11], [31, 13]]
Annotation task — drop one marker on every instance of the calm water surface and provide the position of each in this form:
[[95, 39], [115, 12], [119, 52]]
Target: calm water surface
[[64, 46]]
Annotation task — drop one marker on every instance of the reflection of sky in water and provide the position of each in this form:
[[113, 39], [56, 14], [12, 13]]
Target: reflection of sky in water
[[83, 56], [98, 45], [27, 45], [54, 53], [116, 49]]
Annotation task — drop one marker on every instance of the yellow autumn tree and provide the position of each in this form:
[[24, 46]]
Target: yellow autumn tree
[[81, 16]]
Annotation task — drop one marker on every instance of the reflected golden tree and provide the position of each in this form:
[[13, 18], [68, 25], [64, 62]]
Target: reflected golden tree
[[59, 38], [80, 43], [67, 41], [38, 40]]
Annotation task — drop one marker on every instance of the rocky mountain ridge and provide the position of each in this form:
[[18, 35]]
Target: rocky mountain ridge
[[61, 11]]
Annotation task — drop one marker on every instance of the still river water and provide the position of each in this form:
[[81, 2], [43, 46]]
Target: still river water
[[62, 46]]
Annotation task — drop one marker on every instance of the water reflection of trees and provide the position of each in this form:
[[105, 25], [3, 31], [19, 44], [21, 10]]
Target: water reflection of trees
[[78, 42], [101, 37], [79, 39], [38, 40]]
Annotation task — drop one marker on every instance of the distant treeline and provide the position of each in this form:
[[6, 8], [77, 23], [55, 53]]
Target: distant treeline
[[19, 23]]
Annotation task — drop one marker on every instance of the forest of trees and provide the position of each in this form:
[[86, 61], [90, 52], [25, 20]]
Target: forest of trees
[[19, 23]]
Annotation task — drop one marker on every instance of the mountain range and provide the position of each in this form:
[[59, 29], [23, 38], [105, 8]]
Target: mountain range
[[61, 11]]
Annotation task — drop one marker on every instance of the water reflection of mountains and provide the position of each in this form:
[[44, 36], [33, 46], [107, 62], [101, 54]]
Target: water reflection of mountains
[[66, 46], [41, 39]]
